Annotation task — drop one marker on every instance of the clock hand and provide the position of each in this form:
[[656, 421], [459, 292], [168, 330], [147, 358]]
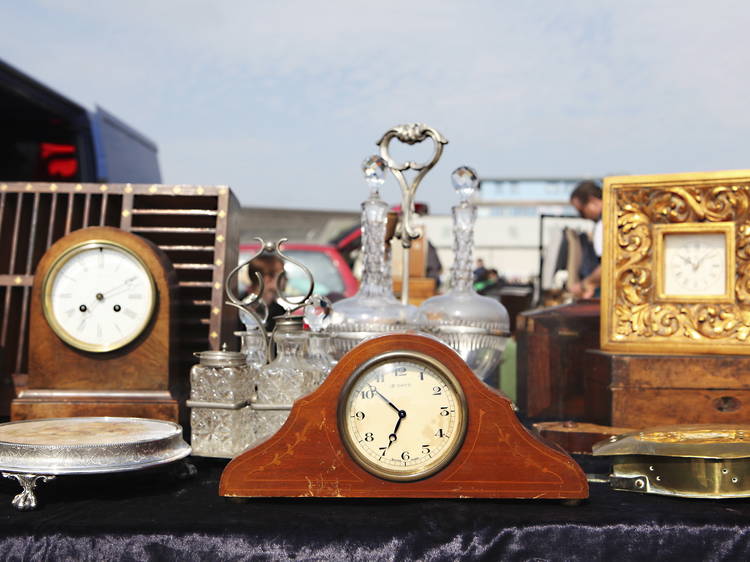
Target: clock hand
[[392, 437], [391, 404], [703, 257], [114, 290], [99, 297]]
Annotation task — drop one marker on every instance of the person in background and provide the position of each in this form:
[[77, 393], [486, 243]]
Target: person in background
[[480, 273], [587, 199], [270, 267], [492, 282]]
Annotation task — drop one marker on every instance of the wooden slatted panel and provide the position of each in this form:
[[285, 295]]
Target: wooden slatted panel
[[195, 226]]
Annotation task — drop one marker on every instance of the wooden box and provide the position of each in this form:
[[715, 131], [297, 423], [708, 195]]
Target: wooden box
[[646, 390], [552, 363]]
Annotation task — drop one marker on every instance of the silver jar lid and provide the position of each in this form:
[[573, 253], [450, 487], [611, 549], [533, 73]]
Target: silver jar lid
[[221, 358], [289, 324]]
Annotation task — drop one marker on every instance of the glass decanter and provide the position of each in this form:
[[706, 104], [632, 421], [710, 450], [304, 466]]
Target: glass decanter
[[287, 377], [477, 327], [373, 309]]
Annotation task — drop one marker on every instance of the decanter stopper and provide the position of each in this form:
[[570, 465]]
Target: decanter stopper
[[465, 182], [374, 169], [318, 313]]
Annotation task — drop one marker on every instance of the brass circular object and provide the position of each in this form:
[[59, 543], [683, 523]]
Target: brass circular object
[[402, 415], [139, 311]]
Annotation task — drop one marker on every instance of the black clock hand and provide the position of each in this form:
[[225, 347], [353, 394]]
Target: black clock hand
[[391, 404], [392, 437]]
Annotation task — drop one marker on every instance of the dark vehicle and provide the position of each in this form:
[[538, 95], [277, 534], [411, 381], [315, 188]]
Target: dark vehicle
[[46, 137]]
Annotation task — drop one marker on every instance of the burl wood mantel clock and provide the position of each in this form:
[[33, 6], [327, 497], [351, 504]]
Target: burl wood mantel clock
[[675, 327], [100, 334], [402, 415]]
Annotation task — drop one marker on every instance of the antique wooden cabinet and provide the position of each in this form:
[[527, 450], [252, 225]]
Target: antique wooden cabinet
[[552, 359], [646, 390]]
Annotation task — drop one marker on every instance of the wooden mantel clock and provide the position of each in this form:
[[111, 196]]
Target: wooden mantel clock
[[402, 415], [100, 334]]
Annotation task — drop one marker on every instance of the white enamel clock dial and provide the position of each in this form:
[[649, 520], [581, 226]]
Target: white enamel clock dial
[[402, 416], [98, 296], [695, 264]]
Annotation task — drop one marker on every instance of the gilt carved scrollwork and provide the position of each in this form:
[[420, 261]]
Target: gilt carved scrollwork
[[637, 315]]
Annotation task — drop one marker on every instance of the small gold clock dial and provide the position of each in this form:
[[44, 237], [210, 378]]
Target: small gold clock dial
[[98, 296], [402, 416]]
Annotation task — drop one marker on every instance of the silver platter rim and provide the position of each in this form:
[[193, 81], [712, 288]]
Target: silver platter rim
[[169, 448]]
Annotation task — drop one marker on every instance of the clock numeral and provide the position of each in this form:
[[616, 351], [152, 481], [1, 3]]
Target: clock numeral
[[64, 295], [426, 449], [440, 433], [135, 297], [379, 377], [421, 375], [444, 411], [369, 393], [436, 391], [384, 449], [359, 415], [369, 437], [129, 313], [399, 371], [405, 456]]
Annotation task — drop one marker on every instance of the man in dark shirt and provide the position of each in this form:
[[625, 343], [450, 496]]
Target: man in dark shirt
[[587, 199]]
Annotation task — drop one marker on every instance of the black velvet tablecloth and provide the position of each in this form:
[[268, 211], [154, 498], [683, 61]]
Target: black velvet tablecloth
[[153, 515]]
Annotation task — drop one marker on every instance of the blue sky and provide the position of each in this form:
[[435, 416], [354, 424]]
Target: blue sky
[[283, 100]]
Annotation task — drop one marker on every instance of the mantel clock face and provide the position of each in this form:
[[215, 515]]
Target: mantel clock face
[[98, 296], [402, 416]]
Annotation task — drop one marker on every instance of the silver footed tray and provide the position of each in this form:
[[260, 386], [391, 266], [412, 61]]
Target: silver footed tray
[[38, 450]]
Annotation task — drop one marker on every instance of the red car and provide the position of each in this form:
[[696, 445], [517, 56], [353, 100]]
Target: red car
[[331, 272]]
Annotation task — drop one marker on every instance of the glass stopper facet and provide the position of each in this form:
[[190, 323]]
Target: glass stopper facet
[[318, 313], [374, 169], [465, 182]]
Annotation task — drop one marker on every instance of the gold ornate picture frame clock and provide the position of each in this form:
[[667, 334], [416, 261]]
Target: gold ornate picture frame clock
[[676, 263]]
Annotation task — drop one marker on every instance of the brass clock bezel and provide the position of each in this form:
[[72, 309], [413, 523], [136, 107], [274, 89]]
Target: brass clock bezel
[[445, 458], [46, 299]]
